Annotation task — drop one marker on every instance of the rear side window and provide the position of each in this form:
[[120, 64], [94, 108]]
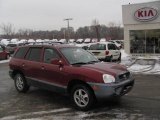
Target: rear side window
[[112, 47], [98, 47], [21, 52], [34, 54]]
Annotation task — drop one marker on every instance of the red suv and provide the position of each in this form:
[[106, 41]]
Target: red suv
[[71, 70]]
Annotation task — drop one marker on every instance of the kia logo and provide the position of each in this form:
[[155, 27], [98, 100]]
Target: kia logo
[[146, 14]]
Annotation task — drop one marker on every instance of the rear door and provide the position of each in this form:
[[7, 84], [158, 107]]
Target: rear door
[[113, 50], [32, 64]]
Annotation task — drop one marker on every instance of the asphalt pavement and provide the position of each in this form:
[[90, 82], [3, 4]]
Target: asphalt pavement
[[142, 103]]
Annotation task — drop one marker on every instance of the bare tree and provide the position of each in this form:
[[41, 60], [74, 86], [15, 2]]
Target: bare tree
[[96, 25], [115, 31], [7, 29]]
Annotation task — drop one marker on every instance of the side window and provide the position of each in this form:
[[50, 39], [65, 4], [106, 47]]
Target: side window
[[101, 47], [34, 54], [21, 52], [50, 54]]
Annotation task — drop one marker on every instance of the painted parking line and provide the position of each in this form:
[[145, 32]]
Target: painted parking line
[[15, 117]]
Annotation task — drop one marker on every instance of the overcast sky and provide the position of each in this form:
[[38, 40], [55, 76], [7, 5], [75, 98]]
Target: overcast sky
[[49, 14]]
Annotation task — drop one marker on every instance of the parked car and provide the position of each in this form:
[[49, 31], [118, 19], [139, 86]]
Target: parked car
[[87, 40], [79, 41], [11, 47], [69, 70], [4, 42], [106, 51], [3, 53]]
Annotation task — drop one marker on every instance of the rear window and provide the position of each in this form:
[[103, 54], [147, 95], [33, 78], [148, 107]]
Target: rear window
[[11, 45], [34, 54], [97, 47], [112, 47], [21, 52]]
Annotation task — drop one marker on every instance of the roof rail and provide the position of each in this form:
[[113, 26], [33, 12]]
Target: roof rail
[[43, 43]]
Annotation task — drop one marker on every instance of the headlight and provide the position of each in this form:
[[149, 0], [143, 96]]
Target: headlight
[[108, 78]]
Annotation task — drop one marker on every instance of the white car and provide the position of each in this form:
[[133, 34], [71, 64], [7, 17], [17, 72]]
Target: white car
[[106, 51], [87, 40]]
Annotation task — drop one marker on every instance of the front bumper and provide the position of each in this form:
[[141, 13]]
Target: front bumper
[[104, 91]]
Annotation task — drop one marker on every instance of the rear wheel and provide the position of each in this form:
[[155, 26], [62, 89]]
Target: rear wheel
[[20, 83], [110, 59], [82, 97], [119, 59]]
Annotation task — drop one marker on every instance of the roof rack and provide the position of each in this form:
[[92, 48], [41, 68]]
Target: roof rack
[[43, 43]]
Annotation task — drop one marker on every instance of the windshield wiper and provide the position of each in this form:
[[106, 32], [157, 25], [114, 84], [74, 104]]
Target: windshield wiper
[[78, 63], [90, 62]]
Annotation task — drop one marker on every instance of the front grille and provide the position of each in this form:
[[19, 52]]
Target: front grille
[[124, 76]]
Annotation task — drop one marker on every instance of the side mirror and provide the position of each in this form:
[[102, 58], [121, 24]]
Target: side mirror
[[56, 62]]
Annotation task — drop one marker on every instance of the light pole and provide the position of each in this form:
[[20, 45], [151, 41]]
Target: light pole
[[68, 19]]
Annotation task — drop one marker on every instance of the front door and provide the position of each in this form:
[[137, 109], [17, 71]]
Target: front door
[[52, 74]]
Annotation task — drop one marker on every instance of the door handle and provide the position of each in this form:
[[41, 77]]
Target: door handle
[[23, 65], [42, 68]]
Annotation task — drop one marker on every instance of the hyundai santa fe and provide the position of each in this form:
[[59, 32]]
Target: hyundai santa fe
[[69, 70]]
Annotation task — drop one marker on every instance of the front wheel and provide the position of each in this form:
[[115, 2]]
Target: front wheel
[[82, 97], [20, 83], [119, 58]]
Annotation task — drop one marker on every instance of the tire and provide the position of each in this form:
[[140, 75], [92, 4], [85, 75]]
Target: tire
[[20, 83], [110, 60], [119, 59], [82, 97]]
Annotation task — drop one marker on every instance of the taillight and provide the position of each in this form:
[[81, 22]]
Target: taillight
[[107, 52]]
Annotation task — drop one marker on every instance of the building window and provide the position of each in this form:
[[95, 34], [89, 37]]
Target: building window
[[145, 41]]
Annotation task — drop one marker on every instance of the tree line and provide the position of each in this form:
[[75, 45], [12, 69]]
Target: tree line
[[110, 31]]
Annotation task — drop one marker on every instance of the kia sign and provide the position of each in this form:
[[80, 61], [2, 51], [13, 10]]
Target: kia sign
[[146, 14]]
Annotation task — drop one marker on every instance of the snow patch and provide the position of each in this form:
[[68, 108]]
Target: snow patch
[[4, 61]]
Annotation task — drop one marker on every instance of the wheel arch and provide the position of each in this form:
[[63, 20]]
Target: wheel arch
[[74, 82], [15, 72]]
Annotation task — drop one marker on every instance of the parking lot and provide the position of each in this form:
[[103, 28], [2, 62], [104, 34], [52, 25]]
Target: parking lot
[[143, 102]]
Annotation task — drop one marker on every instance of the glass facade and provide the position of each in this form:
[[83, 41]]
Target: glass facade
[[145, 41]]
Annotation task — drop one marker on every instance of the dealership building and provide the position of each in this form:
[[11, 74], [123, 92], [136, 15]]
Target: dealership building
[[142, 28]]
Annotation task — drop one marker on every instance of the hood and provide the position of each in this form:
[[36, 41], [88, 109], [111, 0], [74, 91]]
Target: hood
[[108, 68]]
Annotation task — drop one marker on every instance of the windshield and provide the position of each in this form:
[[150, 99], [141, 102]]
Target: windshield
[[78, 56]]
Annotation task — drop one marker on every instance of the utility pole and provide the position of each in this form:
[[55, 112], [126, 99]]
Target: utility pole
[[68, 19]]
